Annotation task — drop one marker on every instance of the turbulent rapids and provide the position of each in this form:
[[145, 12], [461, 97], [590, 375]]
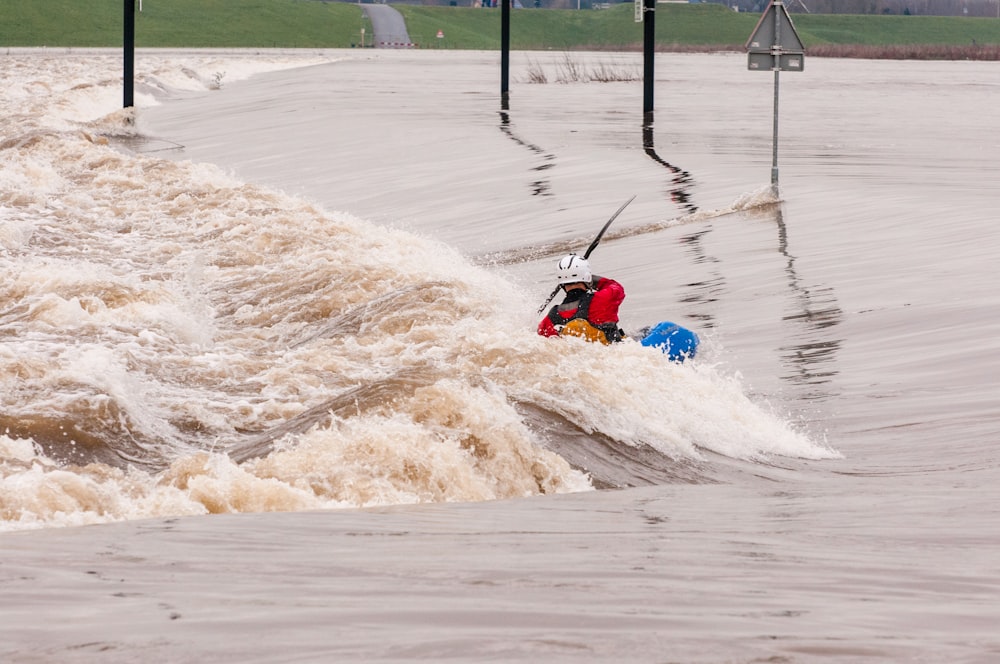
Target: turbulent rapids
[[177, 341]]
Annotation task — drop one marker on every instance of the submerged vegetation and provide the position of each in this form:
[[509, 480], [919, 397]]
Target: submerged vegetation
[[569, 70], [299, 24]]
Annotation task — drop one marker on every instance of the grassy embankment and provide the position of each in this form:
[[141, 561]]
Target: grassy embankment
[[312, 24], [182, 23], [704, 27]]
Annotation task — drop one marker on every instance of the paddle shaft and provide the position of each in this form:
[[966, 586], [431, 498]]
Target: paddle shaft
[[590, 249]]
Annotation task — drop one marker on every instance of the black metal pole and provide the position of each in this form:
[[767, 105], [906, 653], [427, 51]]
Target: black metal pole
[[776, 57], [129, 75], [648, 50], [505, 54]]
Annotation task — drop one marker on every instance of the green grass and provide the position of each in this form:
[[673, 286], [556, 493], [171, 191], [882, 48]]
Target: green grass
[[895, 30], [182, 23], [312, 23], [540, 29]]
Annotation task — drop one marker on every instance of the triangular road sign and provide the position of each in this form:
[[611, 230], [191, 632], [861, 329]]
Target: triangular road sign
[[775, 29]]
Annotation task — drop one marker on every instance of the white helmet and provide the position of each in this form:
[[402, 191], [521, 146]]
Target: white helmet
[[573, 269]]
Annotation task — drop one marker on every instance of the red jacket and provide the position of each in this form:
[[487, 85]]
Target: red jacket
[[604, 305]]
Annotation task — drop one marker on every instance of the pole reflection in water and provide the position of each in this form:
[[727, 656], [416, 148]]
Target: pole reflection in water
[[541, 186], [811, 361], [700, 296], [678, 187]]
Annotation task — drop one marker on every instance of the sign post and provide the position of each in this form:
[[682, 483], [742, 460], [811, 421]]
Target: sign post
[[645, 12], [128, 76], [775, 46], [505, 54]]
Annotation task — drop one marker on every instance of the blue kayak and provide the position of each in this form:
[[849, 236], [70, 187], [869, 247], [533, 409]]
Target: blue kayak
[[678, 343]]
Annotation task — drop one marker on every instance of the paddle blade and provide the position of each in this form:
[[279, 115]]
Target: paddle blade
[[593, 245]]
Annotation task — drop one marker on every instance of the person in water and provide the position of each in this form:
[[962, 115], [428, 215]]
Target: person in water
[[590, 308]]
